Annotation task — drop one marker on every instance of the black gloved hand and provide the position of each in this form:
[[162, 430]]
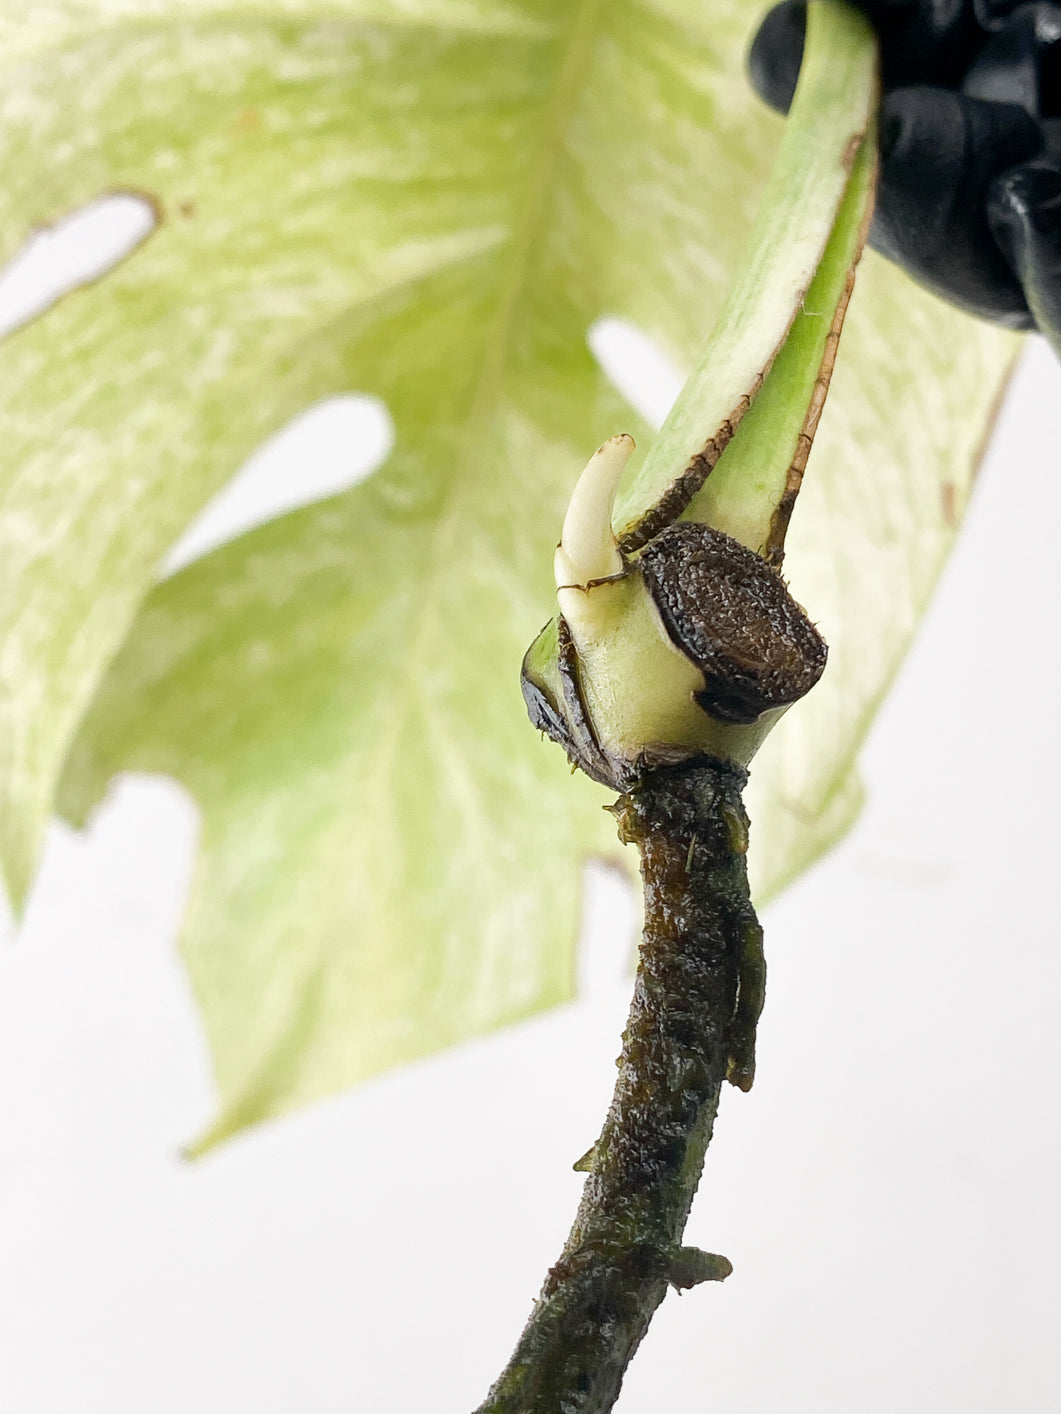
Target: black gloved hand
[[969, 199]]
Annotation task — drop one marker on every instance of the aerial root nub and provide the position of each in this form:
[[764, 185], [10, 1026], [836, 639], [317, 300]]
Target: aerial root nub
[[585, 1164], [690, 1266], [587, 549]]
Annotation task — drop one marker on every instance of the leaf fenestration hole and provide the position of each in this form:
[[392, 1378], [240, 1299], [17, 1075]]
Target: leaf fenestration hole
[[607, 941], [74, 251], [636, 366], [330, 447]]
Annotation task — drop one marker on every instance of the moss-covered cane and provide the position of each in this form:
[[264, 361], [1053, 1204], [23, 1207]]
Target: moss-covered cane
[[676, 648]]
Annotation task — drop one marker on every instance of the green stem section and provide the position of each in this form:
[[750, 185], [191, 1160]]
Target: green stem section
[[696, 999], [802, 210]]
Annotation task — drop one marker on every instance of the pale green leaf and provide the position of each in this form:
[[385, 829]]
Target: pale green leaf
[[264, 136], [428, 201]]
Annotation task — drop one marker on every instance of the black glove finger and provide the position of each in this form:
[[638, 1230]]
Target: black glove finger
[[922, 41], [931, 41], [1024, 210], [777, 52], [993, 14], [939, 153], [941, 148], [1021, 61]]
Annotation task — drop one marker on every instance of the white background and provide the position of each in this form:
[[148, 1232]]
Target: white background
[[888, 1192]]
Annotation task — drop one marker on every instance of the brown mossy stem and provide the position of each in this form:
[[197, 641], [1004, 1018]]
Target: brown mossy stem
[[692, 1022]]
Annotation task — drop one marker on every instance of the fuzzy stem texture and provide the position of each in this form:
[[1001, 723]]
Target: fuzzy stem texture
[[696, 999]]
